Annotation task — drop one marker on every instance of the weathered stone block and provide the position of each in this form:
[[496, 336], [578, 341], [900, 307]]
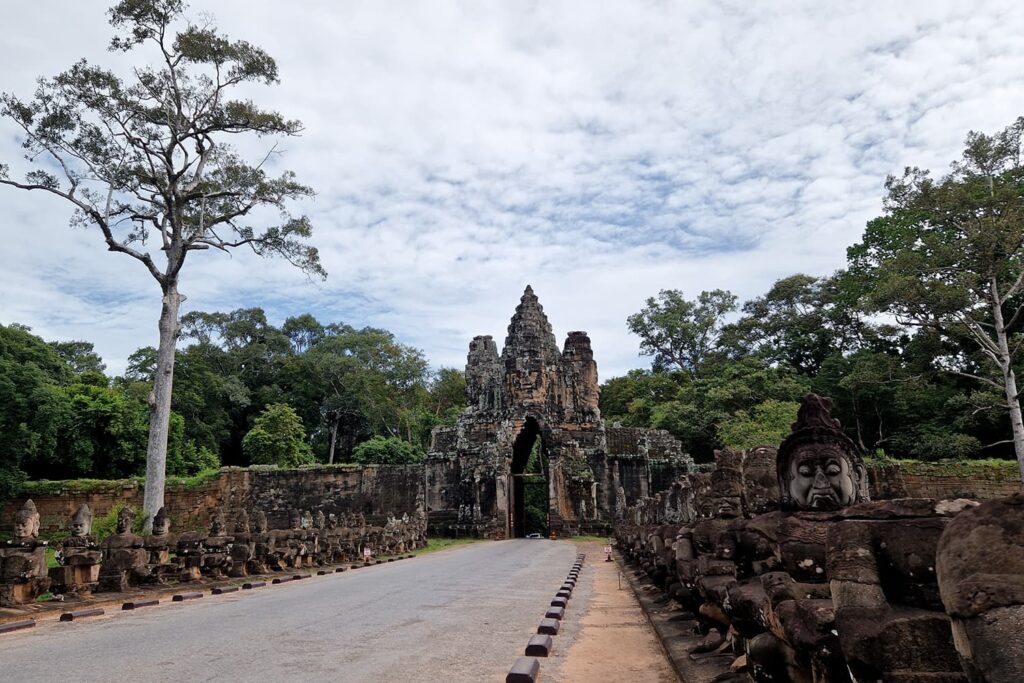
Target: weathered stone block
[[524, 670], [549, 627], [540, 646]]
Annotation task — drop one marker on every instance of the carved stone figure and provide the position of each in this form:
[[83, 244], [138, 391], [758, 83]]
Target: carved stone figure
[[980, 568], [23, 572], [216, 548], [881, 569], [124, 557], [260, 541], [161, 523], [158, 544], [81, 523], [818, 466], [79, 558], [243, 549]]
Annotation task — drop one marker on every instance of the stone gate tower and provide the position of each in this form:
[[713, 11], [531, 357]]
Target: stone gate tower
[[475, 470]]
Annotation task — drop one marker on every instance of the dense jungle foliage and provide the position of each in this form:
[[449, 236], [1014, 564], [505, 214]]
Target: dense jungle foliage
[[245, 392]]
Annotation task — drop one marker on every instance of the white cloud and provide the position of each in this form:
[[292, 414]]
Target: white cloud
[[600, 151]]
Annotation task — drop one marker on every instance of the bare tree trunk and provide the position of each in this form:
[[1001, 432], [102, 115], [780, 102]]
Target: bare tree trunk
[[1009, 381], [334, 438], [160, 405], [1013, 403]]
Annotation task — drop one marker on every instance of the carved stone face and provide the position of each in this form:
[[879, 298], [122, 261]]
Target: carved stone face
[[821, 477], [727, 507], [217, 525], [22, 526], [259, 521], [295, 520], [81, 523], [161, 523], [242, 522], [125, 520]]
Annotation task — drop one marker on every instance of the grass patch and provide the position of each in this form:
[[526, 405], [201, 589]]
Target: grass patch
[[46, 487], [45, 597], [435, 544], [51, 561], [603, 540]]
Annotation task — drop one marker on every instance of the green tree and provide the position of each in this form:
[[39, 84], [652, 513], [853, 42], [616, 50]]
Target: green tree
[[389, 450], [277, 438], [679, 333], [948, 255], [81, 356], [32, 381], [800, 321], [145, 162], [766, 425]]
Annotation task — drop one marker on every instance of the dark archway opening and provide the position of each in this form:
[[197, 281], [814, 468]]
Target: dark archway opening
[[528, 512]]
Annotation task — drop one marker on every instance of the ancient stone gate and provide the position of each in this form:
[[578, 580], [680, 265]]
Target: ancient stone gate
[[532, 390]]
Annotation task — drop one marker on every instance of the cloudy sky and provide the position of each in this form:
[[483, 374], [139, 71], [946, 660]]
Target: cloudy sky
[[598, 151]]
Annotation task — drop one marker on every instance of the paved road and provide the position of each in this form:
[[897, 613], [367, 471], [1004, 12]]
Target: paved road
[[456, 615]]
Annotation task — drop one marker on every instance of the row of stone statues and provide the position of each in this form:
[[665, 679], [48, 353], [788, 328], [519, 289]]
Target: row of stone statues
[[794, 574], [125, 559]]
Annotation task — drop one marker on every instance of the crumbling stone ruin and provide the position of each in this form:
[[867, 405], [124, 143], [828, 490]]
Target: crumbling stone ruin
[[815, 582], [530, 391]]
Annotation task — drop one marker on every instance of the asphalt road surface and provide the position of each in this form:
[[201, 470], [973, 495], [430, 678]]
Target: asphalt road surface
[[457, 615]]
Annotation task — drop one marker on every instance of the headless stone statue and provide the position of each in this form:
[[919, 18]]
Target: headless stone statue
[[243, 549], [285, 544], [23, 572], [260, 541]]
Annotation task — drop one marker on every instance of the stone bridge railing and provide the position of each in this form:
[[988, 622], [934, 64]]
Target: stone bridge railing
[[784, 569]]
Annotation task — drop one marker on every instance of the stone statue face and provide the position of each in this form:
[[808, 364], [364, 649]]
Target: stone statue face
[[81, 523], [22, 526], [161, 523], [260, 522], [295, 520], [821, 477], [242, 522], [727, 507], [217, 525], [125, 520]]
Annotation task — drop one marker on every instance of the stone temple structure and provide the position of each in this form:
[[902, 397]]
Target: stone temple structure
[[531, 390]]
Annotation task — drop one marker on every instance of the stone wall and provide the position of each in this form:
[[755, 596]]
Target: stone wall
[[375, 491], [979, 480], [388, 489]]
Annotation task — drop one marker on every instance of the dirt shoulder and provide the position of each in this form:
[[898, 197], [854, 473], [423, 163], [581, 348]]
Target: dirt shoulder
[[615, 641]]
